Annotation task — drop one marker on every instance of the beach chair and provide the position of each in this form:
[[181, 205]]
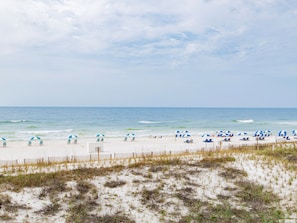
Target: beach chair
[[245, 139], [261, 138], [207, 140], [189, 141]]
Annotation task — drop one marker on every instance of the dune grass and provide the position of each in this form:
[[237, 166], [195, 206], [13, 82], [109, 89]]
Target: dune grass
[[241, 201]]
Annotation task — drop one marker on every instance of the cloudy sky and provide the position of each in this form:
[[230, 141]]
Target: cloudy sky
[[197, 53]]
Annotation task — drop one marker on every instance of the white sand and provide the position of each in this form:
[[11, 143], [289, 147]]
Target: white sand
[[20, 151]]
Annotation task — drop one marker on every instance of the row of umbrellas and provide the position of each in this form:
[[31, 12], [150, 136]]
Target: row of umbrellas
[[228, 133], [99, 136]]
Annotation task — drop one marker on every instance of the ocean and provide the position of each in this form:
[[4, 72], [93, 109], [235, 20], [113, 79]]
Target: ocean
[[21, 123]]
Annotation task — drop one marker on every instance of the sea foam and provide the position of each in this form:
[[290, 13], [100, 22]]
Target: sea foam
[[46, 131], [245, 120], [149, 122]]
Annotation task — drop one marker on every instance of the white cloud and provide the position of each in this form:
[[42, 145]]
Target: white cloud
[[94, 41], [91, 26]]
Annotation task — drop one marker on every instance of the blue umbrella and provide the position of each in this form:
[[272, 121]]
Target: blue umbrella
[[267, 133], [3, 139], [294, 132], [178, 133], [282, 133], [259, 133]]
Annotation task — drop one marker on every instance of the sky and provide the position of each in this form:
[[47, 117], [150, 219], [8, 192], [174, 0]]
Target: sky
[[154, 53]]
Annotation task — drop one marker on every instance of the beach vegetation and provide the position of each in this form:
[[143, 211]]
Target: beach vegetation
[[50, 210], [194, 187], [114, 183]]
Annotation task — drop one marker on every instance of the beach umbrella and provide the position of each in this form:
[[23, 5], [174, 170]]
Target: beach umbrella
[[186, 135], [132, 135], [220, 133], [294, 132], [72, 137], [206, 135], [242, 133], [100, 135], [35, 138], [178, 133], [3, 141], [282, 133], [267, 133], [259, 133]]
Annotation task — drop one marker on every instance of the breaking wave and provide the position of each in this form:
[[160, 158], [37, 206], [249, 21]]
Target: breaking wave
[[245, 120], [288, 123], [46, 131], [13, 121], [149, 122]]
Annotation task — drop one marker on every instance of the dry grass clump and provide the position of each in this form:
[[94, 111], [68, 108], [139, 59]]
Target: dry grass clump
[[116, 218], [214, 162], [258, 207], [83, 187], [185, 195], [77, 214], [42, 179], [54, 187], [50, 209], [114, 183], [6, 205], [254, 195], [289, 154], [232, 173], [151, 198]]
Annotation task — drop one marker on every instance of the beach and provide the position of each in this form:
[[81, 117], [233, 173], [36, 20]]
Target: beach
[[60, 150]]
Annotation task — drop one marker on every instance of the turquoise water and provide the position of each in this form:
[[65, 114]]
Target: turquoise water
[[20, 123]]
